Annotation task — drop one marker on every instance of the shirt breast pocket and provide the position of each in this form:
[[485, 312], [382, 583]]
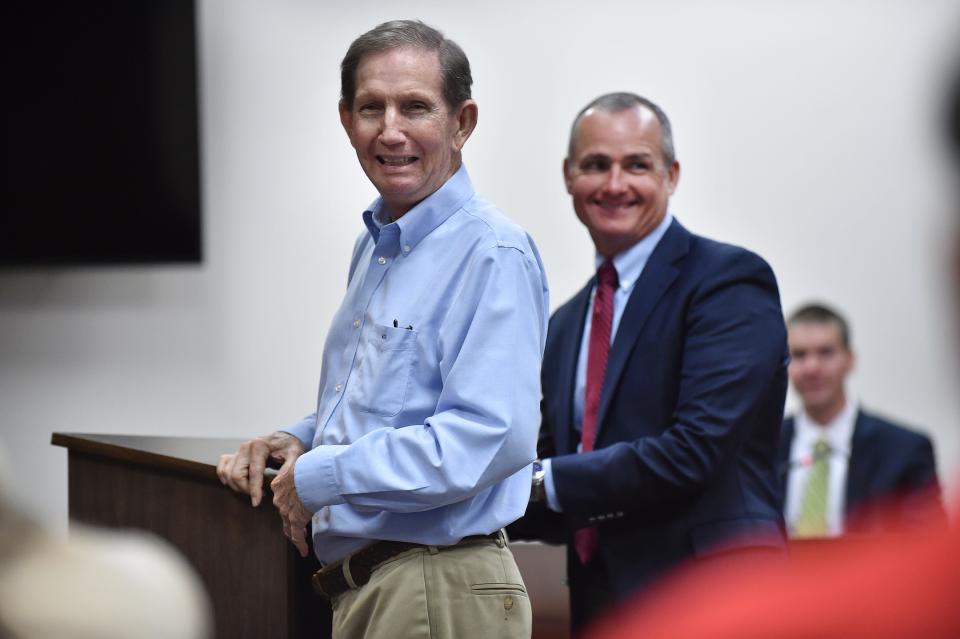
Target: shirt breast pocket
[[382, 374]]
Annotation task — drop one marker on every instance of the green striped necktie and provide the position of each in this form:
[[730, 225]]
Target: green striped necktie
[[812, 521]]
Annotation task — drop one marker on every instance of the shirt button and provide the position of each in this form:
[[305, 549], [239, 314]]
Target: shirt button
[[338, 387], [356, 323], [406, 248], [382, 260]]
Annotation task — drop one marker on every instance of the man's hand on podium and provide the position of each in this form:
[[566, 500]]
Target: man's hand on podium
[[243, 470]]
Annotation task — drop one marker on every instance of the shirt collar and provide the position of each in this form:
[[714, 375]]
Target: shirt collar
[[838, 433], [423, 218], [630, 263]]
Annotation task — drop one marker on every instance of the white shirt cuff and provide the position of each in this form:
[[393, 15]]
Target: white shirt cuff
[[552, 502]]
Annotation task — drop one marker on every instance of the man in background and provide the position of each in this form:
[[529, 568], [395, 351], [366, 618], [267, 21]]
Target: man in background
[[882, 587], [838, 461], [663, 378], [419, 452]]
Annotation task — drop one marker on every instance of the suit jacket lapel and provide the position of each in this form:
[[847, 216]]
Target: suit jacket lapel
[[783, 456], [566, 438], [858, 466], [657, 276]]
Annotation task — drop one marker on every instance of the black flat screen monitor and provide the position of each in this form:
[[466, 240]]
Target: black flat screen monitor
[[101, 155]]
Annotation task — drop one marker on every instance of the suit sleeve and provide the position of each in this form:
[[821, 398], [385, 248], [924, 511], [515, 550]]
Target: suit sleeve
[[919, 490], [733, 358]]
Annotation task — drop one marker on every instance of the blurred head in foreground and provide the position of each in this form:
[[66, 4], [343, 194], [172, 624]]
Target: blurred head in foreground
[[94, 584]]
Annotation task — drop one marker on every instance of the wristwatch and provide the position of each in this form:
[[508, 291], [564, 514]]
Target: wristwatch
[[538, 491]]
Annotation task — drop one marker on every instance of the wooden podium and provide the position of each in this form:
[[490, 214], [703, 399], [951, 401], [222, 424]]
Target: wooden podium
[[259, 586]]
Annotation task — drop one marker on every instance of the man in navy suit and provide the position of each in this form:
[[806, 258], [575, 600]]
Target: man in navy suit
[[877, 476], [663, 379]]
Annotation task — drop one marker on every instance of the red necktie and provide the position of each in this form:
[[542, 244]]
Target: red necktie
[[586, 539]]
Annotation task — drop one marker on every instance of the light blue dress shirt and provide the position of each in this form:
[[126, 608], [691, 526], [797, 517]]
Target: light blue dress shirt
[[428, 408], [629, 265]]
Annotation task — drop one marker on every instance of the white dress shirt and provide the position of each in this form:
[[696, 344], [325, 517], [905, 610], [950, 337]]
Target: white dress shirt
[[838, 434]]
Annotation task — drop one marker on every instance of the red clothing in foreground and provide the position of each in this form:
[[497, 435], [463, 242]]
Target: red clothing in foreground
[[872, 588]]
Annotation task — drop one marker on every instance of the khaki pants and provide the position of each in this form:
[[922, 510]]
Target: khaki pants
[[455, 592]]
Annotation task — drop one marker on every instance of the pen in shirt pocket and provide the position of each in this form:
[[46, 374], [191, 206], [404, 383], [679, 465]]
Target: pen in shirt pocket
[[396, 324]]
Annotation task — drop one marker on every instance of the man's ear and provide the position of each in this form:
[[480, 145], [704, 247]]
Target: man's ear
[[346, 119], [673, 176], [466, 119], [567, 177]]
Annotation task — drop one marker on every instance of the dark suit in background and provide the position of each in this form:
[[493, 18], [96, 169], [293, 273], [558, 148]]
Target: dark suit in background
[[887, 588], [688, 424], [891, 476], [686, 411]]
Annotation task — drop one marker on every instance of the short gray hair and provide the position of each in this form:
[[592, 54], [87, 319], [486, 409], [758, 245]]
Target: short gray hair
[[620, 101], [454, 66]]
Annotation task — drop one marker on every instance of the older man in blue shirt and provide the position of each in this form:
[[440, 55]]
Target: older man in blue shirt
[[419, 452]]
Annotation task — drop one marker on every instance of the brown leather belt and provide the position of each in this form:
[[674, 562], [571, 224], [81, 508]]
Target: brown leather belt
[[357, 568]]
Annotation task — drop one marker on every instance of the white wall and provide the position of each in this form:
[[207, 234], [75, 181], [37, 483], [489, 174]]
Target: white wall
[[806, 131]]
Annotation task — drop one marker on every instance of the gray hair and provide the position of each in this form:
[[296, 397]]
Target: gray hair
[[454, 66], [618, 102]]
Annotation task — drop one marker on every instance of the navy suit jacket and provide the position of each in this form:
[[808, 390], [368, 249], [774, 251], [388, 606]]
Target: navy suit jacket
[[689, 417], [891, 477]]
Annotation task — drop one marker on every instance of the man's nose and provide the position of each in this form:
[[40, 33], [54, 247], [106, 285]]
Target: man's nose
[[391, 130], [808, 365], [615, 183]]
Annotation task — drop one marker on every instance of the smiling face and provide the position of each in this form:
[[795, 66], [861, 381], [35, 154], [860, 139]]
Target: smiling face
[[617, 177], [819, 365], [406, 137]]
